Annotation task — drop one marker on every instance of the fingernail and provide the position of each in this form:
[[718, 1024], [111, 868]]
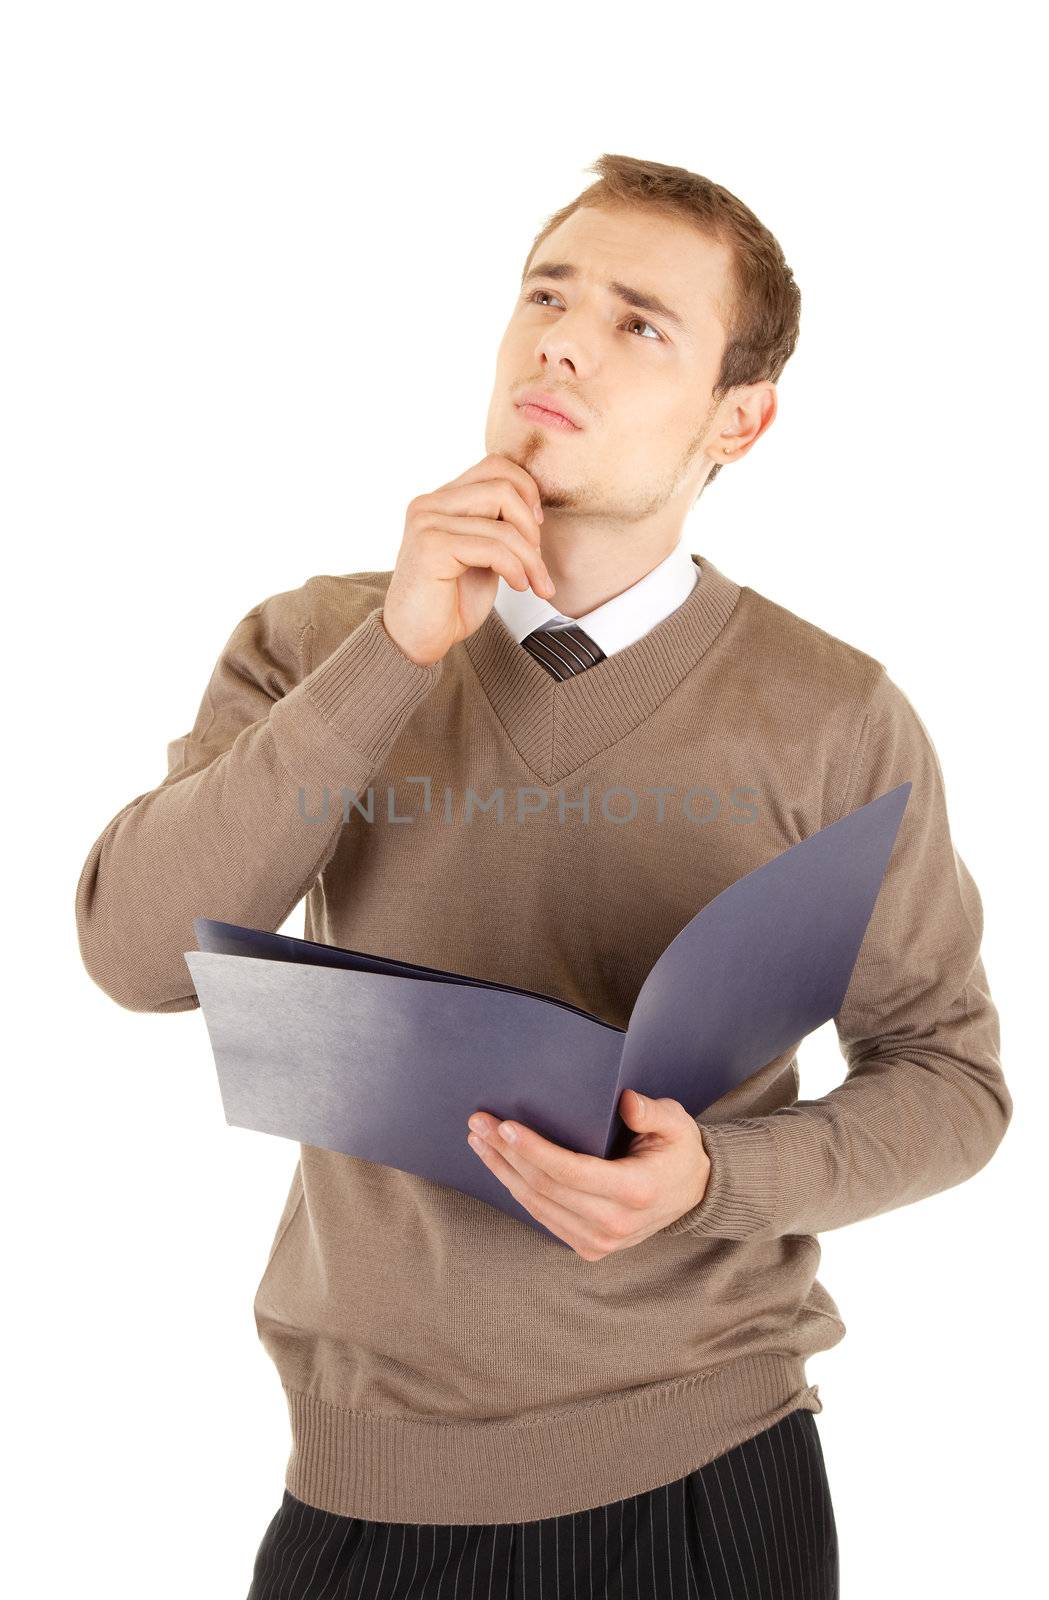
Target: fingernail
[[508, 1131], [538, 513]]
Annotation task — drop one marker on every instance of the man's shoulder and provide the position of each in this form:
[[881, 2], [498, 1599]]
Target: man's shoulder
[[318, 614], [334, 599], [813, 660]]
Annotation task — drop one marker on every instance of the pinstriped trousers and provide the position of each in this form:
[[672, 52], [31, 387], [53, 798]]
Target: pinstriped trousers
[[756, 1522]]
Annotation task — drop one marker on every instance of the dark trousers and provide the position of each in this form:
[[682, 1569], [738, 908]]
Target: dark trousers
[[756, 1522]]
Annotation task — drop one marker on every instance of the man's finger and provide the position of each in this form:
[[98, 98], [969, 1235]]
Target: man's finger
[[562, 1172], [581, 1231], [599, 1210]]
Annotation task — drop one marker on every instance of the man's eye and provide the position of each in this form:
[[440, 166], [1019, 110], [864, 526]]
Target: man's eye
[[531, 300]]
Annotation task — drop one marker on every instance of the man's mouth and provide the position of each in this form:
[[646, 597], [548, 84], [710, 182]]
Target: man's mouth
[[549, 419], [540, 404]]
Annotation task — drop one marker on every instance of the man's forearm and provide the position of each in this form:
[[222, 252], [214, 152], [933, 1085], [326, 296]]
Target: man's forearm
[[924, 1104], [900, 1128]]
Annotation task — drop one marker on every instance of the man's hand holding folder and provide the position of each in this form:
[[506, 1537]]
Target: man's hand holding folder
[[594, 1204]]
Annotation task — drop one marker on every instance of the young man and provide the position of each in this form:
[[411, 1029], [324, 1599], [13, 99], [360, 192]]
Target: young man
[[473, 1406]]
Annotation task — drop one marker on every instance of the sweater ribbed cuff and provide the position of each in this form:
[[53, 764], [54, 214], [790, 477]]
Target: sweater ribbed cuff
[[367, 687], [360, 696], [742, 1193]]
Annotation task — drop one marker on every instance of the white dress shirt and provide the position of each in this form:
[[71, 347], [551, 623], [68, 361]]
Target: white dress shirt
[[619, 621]]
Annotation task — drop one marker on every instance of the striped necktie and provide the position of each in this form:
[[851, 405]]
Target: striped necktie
[[563, 650]]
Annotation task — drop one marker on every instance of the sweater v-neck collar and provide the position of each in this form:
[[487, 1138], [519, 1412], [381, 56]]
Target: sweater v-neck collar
[[556, 725]]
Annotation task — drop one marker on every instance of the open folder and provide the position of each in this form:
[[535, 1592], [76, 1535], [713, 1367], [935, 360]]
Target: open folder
[[386, 1060]]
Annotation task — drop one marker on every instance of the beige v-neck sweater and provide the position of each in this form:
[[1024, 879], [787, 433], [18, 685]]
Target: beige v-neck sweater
[[442, 1361]]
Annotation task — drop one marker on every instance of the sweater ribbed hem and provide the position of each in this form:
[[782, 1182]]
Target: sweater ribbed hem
[[423, 1470]]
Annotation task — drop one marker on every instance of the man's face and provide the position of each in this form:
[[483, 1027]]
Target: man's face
[[639, 383]]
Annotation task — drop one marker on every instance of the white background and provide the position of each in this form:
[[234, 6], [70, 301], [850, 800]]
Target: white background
[[257, 263]]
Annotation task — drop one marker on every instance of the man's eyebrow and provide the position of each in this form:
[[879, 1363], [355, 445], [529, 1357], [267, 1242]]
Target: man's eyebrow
[[637, 299]]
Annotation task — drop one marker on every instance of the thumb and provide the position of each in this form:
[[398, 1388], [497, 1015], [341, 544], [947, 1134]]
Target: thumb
[[637, 1111]]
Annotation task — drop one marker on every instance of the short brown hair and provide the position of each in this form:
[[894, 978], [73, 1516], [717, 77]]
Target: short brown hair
[[762, 320]]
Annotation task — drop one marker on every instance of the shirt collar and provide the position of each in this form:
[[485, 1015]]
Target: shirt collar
[[619, 621]]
